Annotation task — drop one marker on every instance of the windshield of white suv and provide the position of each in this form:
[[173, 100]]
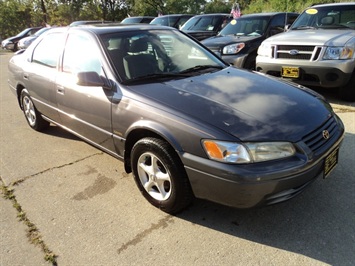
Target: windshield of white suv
[[326, 17]]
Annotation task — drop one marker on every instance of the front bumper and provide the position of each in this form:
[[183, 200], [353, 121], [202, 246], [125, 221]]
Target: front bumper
[[237, 60], [7, 45], [327, 75], [252, 185]]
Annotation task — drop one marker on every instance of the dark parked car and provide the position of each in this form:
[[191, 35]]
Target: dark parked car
[[25, 42], [207, 25], [11, 43], [239, 41], [185, 123], [173, 20], [139, 19]]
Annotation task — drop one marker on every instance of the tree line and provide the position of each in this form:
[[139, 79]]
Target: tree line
[[16, 15]]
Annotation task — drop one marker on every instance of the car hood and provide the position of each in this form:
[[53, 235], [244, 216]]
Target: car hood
[[29, 38], [336, 37], [221, 41], [14, 38], [248, 106], [200, 35]]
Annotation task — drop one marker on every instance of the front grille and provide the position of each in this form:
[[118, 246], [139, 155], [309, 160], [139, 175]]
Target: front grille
[[315, 140], [310, 53], [296, 47], [298, 57]]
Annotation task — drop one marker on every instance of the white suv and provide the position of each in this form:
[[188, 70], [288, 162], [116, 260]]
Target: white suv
[[318, 49]]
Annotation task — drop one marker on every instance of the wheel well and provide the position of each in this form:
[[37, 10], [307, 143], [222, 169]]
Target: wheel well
[[18, 91], [250, 61], [132, 138]]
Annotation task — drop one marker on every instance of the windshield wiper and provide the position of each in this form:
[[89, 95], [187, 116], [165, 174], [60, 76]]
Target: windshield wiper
[[304, 27], [155, 77], [199, 68], [336, 26]]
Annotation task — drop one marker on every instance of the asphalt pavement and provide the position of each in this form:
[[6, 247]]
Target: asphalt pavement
[[63, 202]]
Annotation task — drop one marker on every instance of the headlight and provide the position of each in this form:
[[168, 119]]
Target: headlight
[[265, 50], [266, 151], [233, 48], [6, 42], [338, 53], [231, 152]]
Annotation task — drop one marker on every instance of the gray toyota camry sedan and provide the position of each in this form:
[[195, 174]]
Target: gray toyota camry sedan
[[183, 122]]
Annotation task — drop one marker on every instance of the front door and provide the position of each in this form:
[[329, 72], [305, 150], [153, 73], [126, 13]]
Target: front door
[[84, 110]]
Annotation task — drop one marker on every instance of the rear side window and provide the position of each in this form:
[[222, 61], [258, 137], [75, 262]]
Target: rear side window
[[47, 51]]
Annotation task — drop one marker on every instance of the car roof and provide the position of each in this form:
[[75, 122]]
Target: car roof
[[333, 4], [100, 29], [213, 14], [175, 15], [267, 14], [83, 22], [137, 17]]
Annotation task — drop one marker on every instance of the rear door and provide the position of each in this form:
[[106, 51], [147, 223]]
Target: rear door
[[41, 71]]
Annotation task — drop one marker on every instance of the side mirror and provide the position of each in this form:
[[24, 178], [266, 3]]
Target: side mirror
[[92, 79]]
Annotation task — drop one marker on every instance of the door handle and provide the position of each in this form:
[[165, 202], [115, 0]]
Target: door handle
[[60, 89]]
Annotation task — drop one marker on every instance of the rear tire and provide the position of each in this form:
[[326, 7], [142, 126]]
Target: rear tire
[[33, 117], [347, 92], [15, 47], [250, 62], [160, 175]]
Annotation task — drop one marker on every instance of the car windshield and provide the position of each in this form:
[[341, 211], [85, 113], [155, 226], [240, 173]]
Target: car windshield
[[337, 16], [165, 21], [202, 23], [246, 26], [24, 32], [41, 31], [157, 54]]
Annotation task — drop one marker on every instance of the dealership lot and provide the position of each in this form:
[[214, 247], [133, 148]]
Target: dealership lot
[[89, 212]]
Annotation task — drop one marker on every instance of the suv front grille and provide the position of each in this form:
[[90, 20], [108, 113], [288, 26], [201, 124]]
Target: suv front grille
[[297, 52], [315, 140]]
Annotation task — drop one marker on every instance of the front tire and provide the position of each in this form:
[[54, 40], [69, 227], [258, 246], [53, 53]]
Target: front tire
[[160, 175], [347, 92], [33, 117]]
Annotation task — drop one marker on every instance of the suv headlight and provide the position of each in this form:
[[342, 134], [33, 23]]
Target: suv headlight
[[338, 53], [233, 48], [265, 50], [232, 152]]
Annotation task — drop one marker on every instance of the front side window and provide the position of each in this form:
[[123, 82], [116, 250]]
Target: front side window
[[81, 55], [47, 51]]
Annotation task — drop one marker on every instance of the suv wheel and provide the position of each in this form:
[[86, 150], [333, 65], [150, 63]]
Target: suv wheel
[[347, 92]]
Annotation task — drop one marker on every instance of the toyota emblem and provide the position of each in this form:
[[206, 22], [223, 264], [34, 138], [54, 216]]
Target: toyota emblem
[[325, 134]]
